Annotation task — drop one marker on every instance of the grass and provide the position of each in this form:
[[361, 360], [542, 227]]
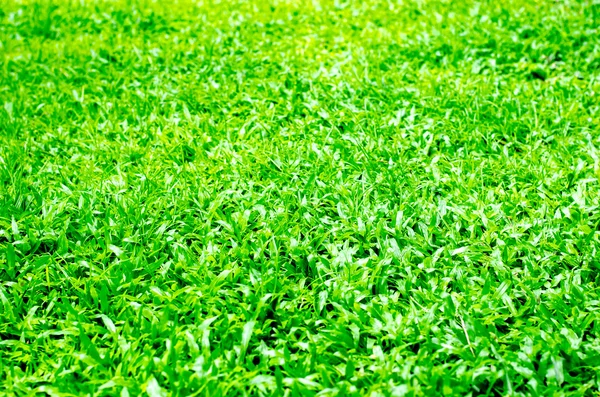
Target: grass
[[377, 198]]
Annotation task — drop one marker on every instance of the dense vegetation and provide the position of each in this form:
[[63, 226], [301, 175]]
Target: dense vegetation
[[329, 197]]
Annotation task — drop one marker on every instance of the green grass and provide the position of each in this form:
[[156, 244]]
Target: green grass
[[300, 198]]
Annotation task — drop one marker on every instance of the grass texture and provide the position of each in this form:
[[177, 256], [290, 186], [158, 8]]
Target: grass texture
[[299, 198]]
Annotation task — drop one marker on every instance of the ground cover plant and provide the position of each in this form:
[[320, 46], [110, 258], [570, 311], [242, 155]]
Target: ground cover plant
[[299, 198]]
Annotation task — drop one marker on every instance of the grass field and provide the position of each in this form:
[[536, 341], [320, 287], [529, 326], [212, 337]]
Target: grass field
[[300, 198]]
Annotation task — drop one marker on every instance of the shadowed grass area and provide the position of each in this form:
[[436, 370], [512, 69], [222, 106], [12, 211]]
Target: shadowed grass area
[[299, 198]]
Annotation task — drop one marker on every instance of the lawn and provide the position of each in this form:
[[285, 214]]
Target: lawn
[[299, 198]]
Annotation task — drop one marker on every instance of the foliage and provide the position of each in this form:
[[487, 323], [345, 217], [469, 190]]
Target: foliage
[[303, 198]]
